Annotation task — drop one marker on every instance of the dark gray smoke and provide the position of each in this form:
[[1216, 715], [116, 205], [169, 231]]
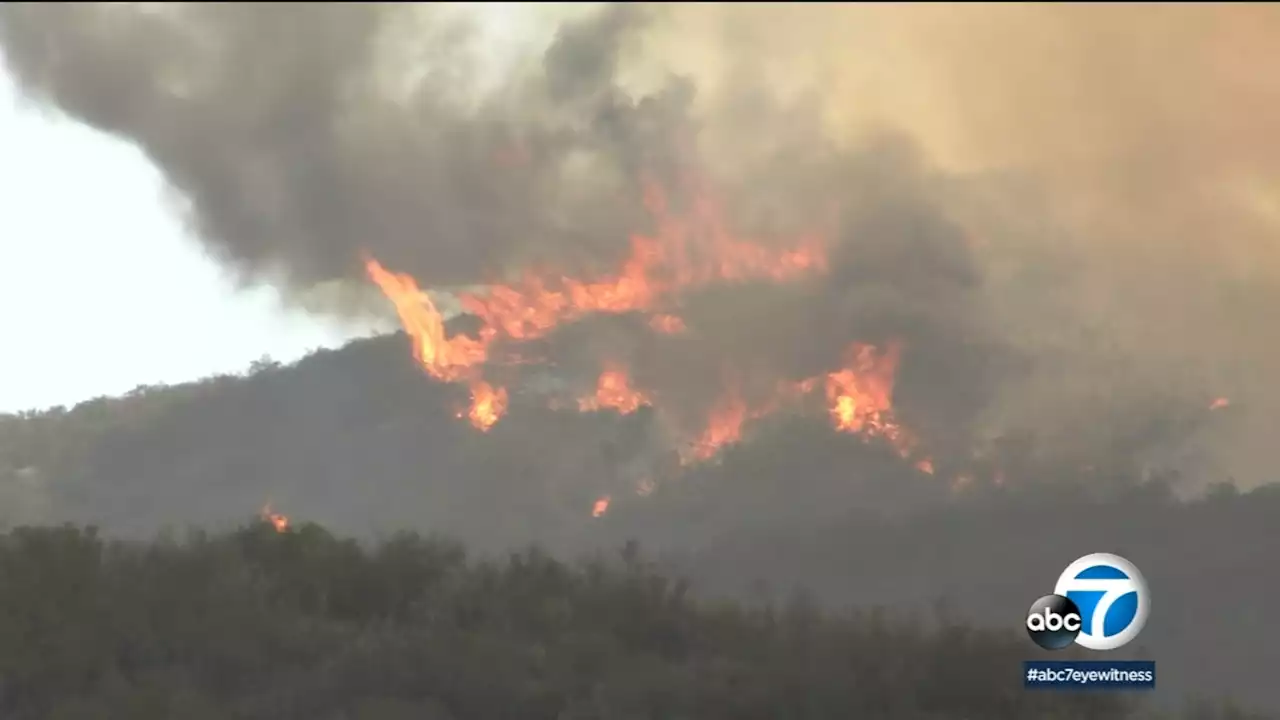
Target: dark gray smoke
[[302, 135]]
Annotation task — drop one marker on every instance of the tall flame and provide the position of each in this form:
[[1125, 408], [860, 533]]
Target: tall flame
[[446, 358]]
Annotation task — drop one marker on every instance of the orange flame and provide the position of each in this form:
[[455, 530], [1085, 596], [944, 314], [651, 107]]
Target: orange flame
[[278, 521], [488, 404], [446, 358], [724, 426], [613, 390], [861, 394], [1219, 403], [600, 507], [684, 252], [656, 268], [859, 398]]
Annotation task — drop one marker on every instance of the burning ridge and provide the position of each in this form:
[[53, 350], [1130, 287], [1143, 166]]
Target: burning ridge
[[686, 252]]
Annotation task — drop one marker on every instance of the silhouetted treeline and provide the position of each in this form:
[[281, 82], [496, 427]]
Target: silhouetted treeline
[[303, 624]]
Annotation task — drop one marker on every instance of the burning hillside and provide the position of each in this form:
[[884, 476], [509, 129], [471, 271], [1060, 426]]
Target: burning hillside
[[686, 253], [810, 279]]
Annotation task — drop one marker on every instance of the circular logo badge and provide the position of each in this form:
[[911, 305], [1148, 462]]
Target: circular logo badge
[[1053, 622], [1111, 597]]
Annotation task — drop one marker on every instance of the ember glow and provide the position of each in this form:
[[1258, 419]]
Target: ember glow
[[277, 520], [1219, 403], [614, 391], [600, 507]]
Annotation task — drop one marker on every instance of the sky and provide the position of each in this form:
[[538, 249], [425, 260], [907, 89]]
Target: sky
[[101, 287]]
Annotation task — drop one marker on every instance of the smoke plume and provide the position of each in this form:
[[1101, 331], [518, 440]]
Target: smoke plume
[[1065, 214]]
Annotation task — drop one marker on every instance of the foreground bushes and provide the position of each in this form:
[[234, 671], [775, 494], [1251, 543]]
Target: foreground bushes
[[259, 624]]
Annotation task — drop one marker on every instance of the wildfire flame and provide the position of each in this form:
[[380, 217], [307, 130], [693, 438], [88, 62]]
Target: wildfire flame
[[861, 395], [487, 405], [446, 358], [1219, 403], [657, 268], [724, 426], [859, 400], [451, 359], [279, 521], [613, 390], [685, 251]]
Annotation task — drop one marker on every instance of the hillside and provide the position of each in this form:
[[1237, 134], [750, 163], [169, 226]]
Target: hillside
[[358, 440]]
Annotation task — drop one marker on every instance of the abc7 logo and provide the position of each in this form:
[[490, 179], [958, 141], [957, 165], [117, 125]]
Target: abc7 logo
[[1101, 602]]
